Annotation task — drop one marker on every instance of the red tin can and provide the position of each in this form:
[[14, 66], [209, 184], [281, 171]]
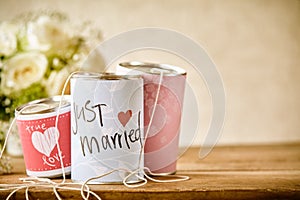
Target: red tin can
[[39, 136], [161, 146]]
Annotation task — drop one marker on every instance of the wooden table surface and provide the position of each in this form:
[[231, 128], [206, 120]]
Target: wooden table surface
[[243, 172]]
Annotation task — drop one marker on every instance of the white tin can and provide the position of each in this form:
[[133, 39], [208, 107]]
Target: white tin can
[[106, 127]]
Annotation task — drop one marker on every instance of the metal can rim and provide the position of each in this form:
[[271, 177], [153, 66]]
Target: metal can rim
[[66, 101], [104, 76], [168, 70]]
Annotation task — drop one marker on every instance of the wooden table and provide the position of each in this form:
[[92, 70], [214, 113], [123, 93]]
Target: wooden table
[[244, 172]]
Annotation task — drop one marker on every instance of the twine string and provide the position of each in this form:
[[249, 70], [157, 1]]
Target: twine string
[[142, 173]]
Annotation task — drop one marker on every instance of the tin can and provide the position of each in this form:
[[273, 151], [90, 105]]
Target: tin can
[[161, 146], [107, 127], [36, 126]]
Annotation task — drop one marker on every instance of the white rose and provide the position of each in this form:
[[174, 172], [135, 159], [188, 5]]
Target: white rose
[[55, 83], [22, 70], [8, 40], [46, 33]]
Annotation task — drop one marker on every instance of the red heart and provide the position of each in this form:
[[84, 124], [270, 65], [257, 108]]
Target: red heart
[[124, 117]]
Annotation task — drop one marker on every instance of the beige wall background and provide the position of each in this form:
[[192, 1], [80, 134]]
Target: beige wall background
[[255, 45]]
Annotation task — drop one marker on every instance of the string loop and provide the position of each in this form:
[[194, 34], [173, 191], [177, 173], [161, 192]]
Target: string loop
[[142, 173]]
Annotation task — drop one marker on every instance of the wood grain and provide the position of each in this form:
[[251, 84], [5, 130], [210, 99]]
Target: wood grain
[[242, 172]]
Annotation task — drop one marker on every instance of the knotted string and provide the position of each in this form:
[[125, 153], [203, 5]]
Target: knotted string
[[47, 183]]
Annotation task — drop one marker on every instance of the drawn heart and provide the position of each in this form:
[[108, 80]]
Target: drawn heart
[[124, 117], [45, 143]]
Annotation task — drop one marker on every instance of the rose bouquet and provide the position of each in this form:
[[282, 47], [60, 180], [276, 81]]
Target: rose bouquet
[[38, 51]]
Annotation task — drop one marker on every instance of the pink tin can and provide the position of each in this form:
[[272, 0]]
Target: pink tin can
[[36, 126], [161, 146]]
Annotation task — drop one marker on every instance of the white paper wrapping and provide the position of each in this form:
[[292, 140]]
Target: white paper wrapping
[[107, 128]]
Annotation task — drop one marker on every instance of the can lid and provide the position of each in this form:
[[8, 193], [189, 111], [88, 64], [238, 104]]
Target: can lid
[[45, 105], [104, 76], [154, 68]]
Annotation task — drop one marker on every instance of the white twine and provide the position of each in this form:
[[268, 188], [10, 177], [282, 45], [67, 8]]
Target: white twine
[[30, 182]]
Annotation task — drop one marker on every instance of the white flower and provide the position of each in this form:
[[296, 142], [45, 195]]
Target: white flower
[[46, 33], [22, 70], [8, 40], [55, 83]]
